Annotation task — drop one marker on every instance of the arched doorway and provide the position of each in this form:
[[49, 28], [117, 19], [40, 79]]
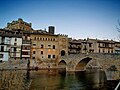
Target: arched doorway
[[62, 53], [82, 64], [62, 64]]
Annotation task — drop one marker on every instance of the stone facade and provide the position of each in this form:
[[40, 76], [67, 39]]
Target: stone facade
[[93, 46], [19, 24], [47, 47]]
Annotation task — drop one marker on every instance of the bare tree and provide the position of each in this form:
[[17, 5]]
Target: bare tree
[[118, 29]]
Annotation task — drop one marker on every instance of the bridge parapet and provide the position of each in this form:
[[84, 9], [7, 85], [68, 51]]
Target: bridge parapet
[[104, 60]]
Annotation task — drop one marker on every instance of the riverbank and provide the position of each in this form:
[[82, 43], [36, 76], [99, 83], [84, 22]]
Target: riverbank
[[13, 80]]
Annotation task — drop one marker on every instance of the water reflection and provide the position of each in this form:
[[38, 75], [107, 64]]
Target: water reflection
[[44, 80]]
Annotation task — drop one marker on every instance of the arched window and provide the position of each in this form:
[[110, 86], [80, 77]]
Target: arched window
[[62, 53]]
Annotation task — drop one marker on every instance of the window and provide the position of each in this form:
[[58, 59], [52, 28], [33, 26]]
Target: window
[[34, 38], [38, 38], [42, 46], [1, 55], [49, 56], [15, 49], [103, 44], [99, 50], [2, 48], [15, 39], [53, 46], [41, 52], [33, 52], [62, 53], [99, 44], [33, 57], [34, 44], [25, 53], [111, 51], [49, 46], [103, 51], [15, 44], [54, 39], [53, 56], [90, 44], [48, 39]]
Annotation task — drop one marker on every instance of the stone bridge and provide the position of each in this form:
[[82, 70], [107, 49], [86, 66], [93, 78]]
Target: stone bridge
[[80, 62]]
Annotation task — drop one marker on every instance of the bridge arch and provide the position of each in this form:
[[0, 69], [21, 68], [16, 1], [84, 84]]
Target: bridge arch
[[62, 64], [81, 65]]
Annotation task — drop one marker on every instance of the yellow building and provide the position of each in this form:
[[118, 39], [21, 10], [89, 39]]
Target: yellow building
[[47, 47], [19, 24]]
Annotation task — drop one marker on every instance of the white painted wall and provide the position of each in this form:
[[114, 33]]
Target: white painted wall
[[7, 40], [5, 56], [19, 41]]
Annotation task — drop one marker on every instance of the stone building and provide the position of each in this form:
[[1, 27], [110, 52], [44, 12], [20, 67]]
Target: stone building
[[4, 45], [10, 44], [26, 46], [48, 47], [93, 46], [19, 24], [74, 46]]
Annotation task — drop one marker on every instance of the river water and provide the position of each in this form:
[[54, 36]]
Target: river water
[[85, 80]]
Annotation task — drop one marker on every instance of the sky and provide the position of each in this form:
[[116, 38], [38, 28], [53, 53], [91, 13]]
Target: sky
[[77, 18]]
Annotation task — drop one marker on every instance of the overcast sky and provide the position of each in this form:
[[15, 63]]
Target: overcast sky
[[76, 18]]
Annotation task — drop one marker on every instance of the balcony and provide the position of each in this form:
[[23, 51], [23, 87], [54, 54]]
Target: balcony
[[26, 42], [105, 47], [25, 55]]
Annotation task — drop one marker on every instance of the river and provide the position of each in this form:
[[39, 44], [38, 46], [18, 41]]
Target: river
[[85, 80]]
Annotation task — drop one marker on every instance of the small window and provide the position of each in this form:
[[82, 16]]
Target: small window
[[33, 52], [54, 39], [90, 44], [41, 52], [2, 48], [48, 39], [1, 55], [42, 46], [15, 49], [49, 46], [15, 44], [33, 57], [103, 50], [53, 46], [99, 50], [111, 51], [15, 39], [49, 56], [34, 44], [53, 56], [38, 38]]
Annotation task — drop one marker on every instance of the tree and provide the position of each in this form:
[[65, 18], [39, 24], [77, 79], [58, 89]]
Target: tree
[[118, 29]]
